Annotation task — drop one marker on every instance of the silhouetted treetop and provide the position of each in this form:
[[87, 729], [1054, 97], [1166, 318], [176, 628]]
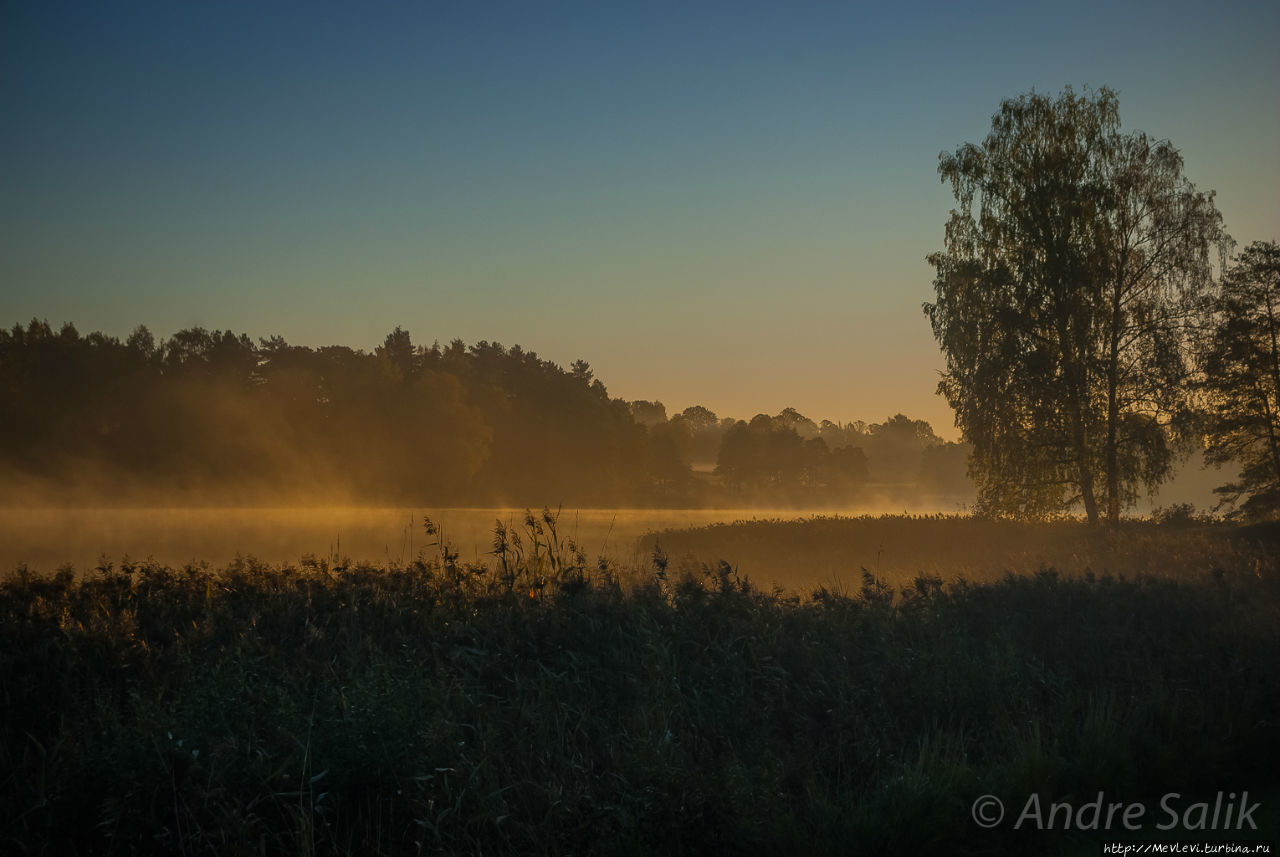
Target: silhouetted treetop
[[1241, 382]]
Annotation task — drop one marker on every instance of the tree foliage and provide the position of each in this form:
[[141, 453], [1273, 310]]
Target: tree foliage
[[1242, 381], [782, 459], [1074, 266], [211, 417]]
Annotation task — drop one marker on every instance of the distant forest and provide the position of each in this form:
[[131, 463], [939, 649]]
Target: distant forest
[[210, 417]]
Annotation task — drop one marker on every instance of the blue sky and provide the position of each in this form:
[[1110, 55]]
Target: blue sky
[[716, 203]]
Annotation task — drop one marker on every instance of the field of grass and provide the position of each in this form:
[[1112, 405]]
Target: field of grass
[[834, 550], [540, 704]]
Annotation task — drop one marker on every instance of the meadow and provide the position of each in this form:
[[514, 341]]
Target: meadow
[[800, 553], [537, 700], [46, 537]]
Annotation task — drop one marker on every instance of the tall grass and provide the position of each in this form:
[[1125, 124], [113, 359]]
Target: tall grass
[[537, 703], [898, 548]]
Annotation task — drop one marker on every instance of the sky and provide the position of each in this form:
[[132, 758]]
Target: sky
[[726, 204]]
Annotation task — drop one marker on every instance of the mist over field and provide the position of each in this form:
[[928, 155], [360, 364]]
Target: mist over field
[[203, 446]]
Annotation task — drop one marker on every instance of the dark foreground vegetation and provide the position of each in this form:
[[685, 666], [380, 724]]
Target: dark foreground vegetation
[[538, 705]]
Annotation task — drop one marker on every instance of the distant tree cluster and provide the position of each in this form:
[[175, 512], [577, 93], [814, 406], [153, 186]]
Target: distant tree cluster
[[214, 414], [1082, 322], [787, 456], [210, 416]]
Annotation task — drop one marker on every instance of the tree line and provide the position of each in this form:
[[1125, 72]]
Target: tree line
[[214, 417], [1094, 325]]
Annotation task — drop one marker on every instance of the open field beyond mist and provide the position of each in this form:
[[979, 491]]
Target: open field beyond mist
[[48, 538], [833, 551], [773, 547]]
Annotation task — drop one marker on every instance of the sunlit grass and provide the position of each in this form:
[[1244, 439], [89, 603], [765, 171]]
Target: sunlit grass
[[833, 550]]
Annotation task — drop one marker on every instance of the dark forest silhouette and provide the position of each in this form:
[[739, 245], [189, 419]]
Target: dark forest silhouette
[[211, 417]]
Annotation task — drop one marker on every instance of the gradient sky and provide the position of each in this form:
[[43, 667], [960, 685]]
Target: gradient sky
[[717, 203]]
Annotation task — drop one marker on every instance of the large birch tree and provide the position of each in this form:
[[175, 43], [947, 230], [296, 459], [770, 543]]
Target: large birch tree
[[1076, 263]]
